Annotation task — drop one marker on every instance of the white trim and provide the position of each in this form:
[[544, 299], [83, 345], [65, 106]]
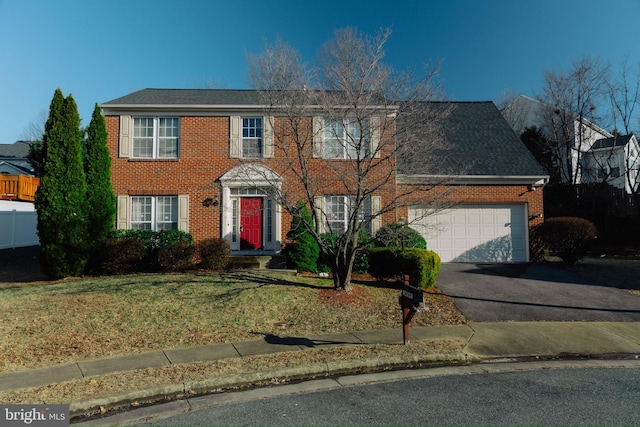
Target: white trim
[[249, 176], [537, 180]]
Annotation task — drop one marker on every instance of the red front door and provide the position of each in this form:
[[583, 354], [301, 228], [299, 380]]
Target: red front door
[[251, 223]]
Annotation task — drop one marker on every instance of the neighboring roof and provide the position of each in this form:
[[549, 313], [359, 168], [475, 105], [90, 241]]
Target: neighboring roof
[[615, 141], [479, 142], [14, 168], [19, 149]]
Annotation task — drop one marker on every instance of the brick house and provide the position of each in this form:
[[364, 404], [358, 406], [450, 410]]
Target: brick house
[[204, 161]]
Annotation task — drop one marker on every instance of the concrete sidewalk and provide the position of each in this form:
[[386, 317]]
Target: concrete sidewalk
[[484, 341]]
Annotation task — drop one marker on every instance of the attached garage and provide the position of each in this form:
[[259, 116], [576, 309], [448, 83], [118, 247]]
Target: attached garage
[[475, 232]]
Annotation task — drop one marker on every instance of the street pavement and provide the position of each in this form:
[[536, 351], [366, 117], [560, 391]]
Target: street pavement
[[515, 312]]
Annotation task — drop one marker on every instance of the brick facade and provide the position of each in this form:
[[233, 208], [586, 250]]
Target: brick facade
[[204, 158], [495, 166]]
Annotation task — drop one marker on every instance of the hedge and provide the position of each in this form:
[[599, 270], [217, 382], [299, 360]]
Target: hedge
[[421, 265], [568, 237]]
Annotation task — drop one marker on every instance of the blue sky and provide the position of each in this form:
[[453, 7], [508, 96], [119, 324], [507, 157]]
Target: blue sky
[[101, 50]]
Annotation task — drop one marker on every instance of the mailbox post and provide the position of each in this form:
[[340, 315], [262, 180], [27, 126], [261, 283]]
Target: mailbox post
[[410, 300]]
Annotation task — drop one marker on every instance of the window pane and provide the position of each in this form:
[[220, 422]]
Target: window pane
[[234, 220], [167, 213], [143, 137], [336, 213], [252, 137], [141, 213], [168, 129]]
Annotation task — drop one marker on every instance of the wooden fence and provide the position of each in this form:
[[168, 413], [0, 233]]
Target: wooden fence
[[18, 187]]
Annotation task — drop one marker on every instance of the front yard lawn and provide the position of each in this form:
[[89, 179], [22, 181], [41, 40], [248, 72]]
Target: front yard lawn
[[48, 323]]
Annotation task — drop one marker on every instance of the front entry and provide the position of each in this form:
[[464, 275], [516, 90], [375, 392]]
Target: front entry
[[251, 223]]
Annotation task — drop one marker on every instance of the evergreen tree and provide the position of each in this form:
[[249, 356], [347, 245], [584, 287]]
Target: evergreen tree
[[101, 202], [61, 195], [303, 251]]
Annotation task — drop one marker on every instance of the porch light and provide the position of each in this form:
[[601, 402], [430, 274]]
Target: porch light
[[210, 201]]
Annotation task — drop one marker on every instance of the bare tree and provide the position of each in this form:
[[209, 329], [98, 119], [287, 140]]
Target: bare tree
[[571, 108], [35, 129], [338, 131], [516, 111]]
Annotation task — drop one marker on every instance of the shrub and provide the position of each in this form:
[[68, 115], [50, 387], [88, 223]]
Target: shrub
[[399, 235], [361, 262], [121, 255], [568, 237], [384, 262], [213, 254], [421, 265], [159, 248], [303, 251], [175, 256]]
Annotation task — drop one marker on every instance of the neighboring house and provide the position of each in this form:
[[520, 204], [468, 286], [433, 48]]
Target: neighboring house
[[596, 156], [203, 160], [13, 158], [614, 160], [18, 219]]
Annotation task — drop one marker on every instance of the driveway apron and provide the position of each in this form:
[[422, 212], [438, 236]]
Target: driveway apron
[[533, 292]]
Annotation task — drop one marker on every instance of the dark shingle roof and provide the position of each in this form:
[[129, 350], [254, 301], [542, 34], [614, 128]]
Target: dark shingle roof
[[615, 141], [19, 149], [479, 142], [199, 97], [188, 97]]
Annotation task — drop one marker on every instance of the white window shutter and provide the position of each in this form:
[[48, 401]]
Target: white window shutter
[[183, 213], [320, 227], [376, 222], [268, 136], [234, 137], [124, 143], [318, 136], [122, 222], [374, 137]]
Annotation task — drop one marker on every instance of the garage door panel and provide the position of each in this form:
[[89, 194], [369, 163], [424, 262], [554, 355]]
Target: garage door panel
[[475, 233]]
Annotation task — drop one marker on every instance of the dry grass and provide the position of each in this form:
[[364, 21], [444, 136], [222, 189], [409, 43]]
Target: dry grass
[[79, 319], [47, 323], [123, 382]]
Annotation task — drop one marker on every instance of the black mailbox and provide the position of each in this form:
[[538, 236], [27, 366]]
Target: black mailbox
[[414, 294]]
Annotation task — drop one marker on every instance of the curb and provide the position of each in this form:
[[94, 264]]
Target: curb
[[170, 392]]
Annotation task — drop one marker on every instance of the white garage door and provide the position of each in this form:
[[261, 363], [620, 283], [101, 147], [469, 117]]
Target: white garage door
[[475, 233]]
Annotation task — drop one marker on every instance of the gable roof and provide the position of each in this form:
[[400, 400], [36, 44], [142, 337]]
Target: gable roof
[[203, 99], [191, 97], [614, 141], [480, 143], [19, 149], [14, 168]]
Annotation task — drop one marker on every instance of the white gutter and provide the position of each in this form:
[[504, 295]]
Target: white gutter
[[415, 179]]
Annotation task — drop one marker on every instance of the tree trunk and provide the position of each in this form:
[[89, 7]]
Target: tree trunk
[[342, 279]]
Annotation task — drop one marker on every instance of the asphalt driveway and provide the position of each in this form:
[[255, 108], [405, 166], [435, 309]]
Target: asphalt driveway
[[534, 292]]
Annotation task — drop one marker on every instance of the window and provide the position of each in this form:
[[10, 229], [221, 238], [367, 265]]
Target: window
[[155, 137], [252, 137], [154, 213], [343, 139], [338, 210]]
